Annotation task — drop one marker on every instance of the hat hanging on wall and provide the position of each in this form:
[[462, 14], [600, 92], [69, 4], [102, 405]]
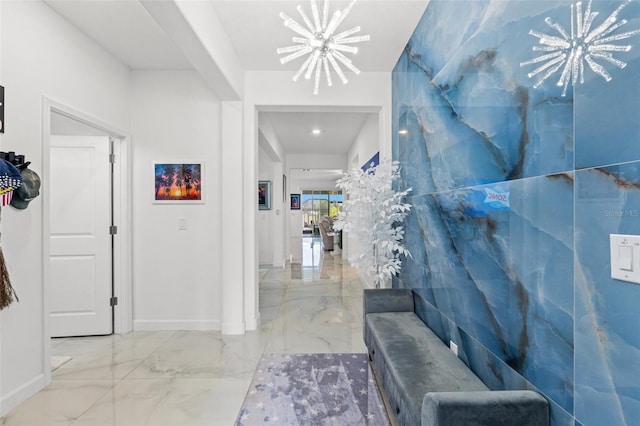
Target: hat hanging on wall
[[29, 189], [10, 180]]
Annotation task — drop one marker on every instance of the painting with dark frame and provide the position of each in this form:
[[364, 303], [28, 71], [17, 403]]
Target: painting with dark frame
[[295, 201], [264, 195]]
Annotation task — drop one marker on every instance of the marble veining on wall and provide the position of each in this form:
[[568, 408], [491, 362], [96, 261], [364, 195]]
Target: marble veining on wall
[[515, 191]]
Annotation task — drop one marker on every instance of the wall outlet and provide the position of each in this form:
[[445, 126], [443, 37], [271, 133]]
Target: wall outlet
[[453, 347]]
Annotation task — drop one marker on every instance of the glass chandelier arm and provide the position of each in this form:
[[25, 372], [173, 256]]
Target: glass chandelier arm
[[597, 68], [579, 23], [347, 33], [611, 29], [588, 19], [347, 62], [548, 64], [295, 55], [336, 68], [556, 26], [357, 39], [290, 49], [617, 37], [609, 57], [343, 48], [602, 29], [345, 12], [325, 15], [312, 64], [327, 72], [316, 16], [291, 23], [305, 18], [542, 58], [302, 68], [333, 24], [316, 85]]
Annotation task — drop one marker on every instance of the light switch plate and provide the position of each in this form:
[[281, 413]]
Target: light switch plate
[[453, 347], [625, 257]]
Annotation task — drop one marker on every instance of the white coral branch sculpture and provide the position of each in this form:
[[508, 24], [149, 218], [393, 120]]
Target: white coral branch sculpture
[[373, 215]]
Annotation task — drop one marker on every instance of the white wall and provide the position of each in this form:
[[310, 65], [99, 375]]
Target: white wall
[[367, 143], [42, 55], [177, 281]]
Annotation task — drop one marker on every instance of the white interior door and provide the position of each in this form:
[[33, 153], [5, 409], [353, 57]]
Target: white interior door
[[80, 241]]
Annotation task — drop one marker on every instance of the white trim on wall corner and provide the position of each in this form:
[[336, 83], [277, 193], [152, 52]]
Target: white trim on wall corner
[[18, 396], [253, 323], [177, 325]]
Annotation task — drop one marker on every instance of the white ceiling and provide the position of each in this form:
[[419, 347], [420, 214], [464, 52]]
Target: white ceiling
[[125, 29], [128, 32], [256, 29], [294, 130]]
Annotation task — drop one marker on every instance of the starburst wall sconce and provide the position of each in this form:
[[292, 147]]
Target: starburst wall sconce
[[325, 49], [585, 42]]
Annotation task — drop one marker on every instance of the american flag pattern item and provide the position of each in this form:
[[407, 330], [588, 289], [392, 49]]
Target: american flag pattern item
[[10, 180], [5, 199]]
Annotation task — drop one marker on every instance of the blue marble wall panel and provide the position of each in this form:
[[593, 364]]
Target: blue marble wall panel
[[607, 359], [508, 232], [492, 370], [464, 103], [496, 262], [607, 114]]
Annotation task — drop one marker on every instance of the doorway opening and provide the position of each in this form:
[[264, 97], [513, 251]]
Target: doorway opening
[[317, 204], [86, 227]]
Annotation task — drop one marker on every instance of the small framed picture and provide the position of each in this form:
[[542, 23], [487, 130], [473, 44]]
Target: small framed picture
[[178, 182], [264, 195], [295, 201]]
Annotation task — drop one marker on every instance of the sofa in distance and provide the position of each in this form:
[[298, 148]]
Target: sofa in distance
[[326, 232], [424, 382]]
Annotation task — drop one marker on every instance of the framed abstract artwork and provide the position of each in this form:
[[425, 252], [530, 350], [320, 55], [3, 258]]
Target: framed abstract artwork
[[264, 195], [295, 201], [178, 182]]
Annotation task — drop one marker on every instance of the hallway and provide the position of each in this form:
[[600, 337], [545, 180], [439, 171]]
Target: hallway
[[314, 305]]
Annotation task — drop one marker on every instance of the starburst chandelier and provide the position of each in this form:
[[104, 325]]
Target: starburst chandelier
[[319, 41], [585, 43]]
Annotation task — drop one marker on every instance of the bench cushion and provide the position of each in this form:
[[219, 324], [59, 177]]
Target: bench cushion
[[490, 408], [411, 361]]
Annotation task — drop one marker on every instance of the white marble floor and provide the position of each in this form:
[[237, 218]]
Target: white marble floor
[[201, 377]]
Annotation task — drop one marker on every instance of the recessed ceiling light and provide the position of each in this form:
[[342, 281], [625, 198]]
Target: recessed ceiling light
[[316, 131]]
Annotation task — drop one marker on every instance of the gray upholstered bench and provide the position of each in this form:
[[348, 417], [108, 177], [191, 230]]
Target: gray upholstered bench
[[427, 384]]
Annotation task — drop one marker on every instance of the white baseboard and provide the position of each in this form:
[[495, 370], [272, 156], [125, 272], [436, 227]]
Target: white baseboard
[[233, 328], [175, 325], [253, 324], [21, 394]]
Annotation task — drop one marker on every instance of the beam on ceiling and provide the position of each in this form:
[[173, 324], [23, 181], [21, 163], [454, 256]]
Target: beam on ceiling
[[196, 29]]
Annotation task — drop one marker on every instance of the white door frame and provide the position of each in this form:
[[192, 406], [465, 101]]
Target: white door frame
[[123, 312]]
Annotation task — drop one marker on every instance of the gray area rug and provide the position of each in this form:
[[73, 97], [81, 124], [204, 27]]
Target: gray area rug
[[313, 389]]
